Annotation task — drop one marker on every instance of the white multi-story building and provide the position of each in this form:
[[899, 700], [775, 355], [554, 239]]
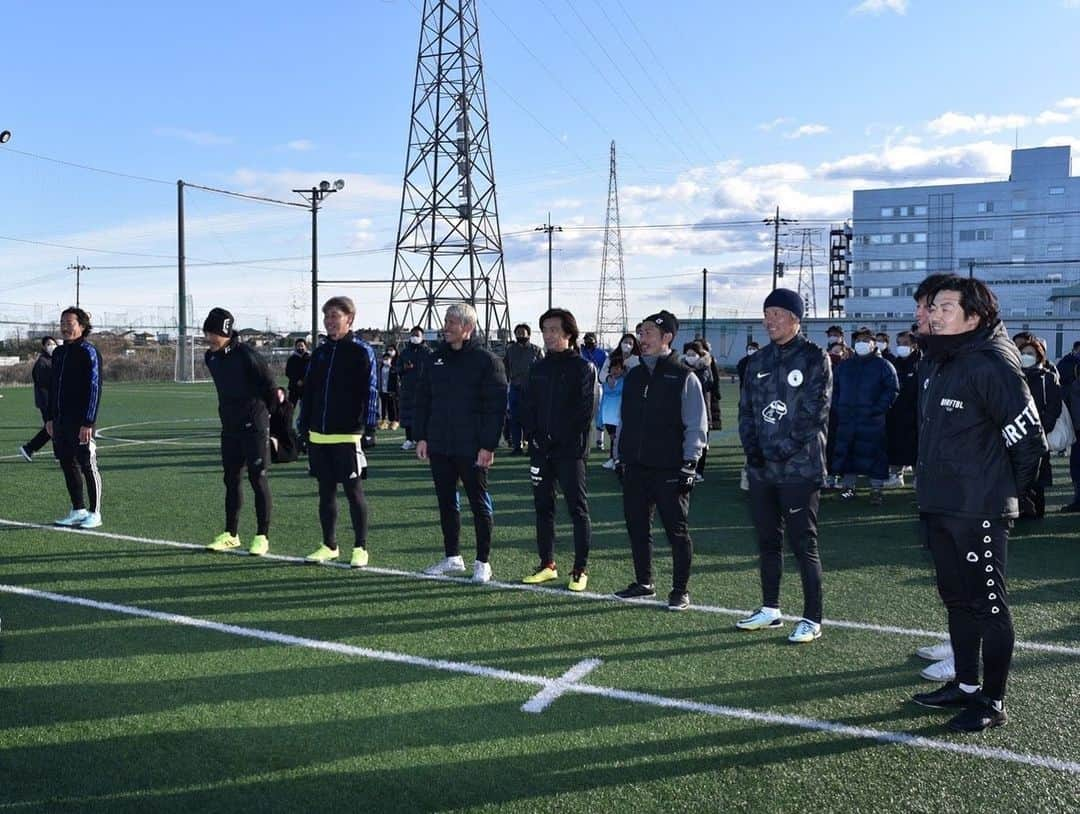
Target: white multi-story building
[[1021, 235]]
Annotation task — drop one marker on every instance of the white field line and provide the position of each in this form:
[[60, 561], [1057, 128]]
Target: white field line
[[565, 684], [543, 699], [1060, 649]]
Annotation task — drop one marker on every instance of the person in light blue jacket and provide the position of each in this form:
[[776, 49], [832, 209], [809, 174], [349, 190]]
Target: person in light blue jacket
[[607, 417]]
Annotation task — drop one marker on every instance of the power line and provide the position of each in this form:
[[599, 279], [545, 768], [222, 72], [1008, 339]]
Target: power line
[[87, 167]]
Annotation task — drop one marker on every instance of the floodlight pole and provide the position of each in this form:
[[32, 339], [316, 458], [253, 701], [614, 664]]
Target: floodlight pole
[[314, 196], [181, 286]]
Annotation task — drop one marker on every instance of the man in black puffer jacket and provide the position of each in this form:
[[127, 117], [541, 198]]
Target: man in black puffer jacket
[[556, 413], [980, 443], [459, 409], [339, 409], [783, 421], [245, 392]]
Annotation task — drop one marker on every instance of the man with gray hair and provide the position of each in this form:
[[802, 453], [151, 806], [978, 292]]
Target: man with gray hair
[[459, 409]]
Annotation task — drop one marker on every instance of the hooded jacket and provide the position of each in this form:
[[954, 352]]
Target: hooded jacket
[[557, 407], [980, 440], [864, 388], [784, 412], [460, 400]]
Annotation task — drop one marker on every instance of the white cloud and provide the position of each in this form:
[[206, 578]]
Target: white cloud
[[200, 137], [910, 164], [767, 126], [300, 145], [880, 7], [808, 130], [951, 123]]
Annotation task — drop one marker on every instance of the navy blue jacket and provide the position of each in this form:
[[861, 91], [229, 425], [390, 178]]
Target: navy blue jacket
[[341, 388], [409, 362], [42, 377], [865, 389], [76, 384]]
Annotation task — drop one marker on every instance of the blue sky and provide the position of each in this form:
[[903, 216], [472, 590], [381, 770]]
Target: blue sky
[[720, 111]]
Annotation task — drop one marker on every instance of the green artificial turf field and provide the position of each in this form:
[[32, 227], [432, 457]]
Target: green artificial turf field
[[138, 672]]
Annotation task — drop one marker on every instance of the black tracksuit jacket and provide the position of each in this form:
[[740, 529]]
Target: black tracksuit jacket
[[460, 400], [341, 388], [557, 406], [244, 386], [980, 440], [76, 384]]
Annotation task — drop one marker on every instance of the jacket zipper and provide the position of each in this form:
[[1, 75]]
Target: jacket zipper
[[326, 386]]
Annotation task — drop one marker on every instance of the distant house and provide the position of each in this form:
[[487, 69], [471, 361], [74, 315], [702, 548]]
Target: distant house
[[259, 339]]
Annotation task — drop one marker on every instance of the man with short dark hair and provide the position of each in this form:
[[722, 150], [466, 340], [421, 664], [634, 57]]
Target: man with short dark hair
[[74, 399], [662, 431], [410, 362], [340, 407], [980, 443], [519, 358], [557, 412], [41, 375], [752, 347], [783, 419], [295, 368], [245, 392], [460, 404]]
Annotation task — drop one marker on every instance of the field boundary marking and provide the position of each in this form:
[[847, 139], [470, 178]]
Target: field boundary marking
[[565, 684], [1060, 649]]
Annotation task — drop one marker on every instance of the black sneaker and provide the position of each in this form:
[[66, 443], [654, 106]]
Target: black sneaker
[[636, 590], [1070, 507], [948, 696], [979, 714], [678, 601]]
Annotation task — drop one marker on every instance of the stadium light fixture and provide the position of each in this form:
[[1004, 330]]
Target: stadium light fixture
[[5, 136], [314, 196]]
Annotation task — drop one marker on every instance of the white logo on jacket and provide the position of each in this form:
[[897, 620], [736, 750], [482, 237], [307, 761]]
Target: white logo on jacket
[[795, 378], [439, 361], [952, 404], [774, 412], [1017, 429]]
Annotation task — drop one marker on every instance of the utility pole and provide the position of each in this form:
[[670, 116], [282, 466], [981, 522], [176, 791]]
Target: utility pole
[[314, 196], [78, 268], [547, 227], [704, 298], [776, 221], [182, 350]]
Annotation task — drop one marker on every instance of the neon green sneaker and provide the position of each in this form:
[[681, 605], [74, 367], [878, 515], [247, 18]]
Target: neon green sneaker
[[224, 541], [359, 558], [579, 581], [260, 546], [546, 573], [323, 554]]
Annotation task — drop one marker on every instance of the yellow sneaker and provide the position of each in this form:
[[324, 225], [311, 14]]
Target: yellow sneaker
[[546, 574], [260, 546], [359, 558], [579, 580], [223, 542], [323, 554]]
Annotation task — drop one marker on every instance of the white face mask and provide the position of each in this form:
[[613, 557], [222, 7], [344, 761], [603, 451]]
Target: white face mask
[[903, 351], [832, 340], [751, 351], [691, 357], [416, 340], [49, 349], [862, 348], [627, 347], [1028, 359]]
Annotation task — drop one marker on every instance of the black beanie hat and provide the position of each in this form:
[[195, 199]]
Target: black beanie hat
[[666, 321], [218, 321], [787, 299]]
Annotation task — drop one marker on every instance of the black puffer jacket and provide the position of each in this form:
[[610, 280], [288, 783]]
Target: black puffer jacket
[[460, 400], [902, 422], [410, 362], [42, 378], [557, 406], [784, 412], [980, 439]]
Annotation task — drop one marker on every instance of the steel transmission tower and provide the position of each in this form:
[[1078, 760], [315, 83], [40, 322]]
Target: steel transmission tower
[[611, 311], [807, 288], [449, 248]]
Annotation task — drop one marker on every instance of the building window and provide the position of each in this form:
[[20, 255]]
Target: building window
[[919, 210], [1055, 248], [881, 292], [984, 206], [967, 235], [1057, 190], [1017, 258], [920, 265], [920, 237], [879, 239], [1019, 233], [887, 211], [1055, 219], [881, 265], [905, 211]]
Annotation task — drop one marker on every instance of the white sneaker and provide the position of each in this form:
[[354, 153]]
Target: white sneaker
[[609, 463], [935, 652], [408, 445], [445, 566], [894, 481], [744, 481], [805, 631], [481, 572], [75, 518], [944, 670], [762, 617], [28, 456], [92, 521]]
